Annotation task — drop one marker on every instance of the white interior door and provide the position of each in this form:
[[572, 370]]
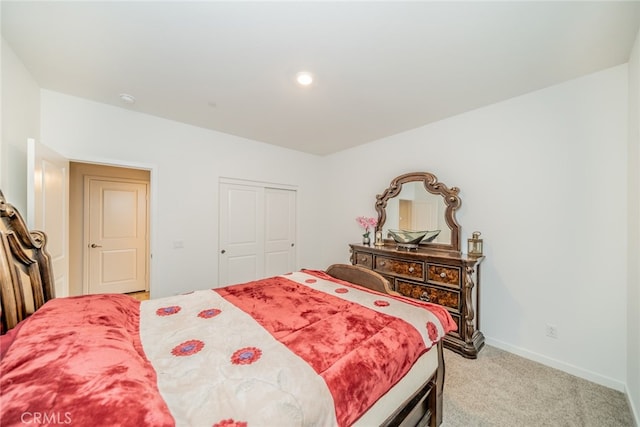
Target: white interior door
[[48, 207], [280, 231], [116, 219], [241, 233]]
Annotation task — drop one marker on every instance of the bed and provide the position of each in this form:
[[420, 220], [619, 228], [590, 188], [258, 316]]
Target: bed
[[333, 347]]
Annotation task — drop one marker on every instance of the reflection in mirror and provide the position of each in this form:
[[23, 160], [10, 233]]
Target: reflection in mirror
[[417, 201], [417, 210]]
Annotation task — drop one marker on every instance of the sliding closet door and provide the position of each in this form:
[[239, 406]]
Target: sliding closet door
[[280, 231], [257, 232], [241, 231]]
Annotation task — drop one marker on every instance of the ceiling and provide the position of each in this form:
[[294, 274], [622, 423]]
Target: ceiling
[[380, 68]]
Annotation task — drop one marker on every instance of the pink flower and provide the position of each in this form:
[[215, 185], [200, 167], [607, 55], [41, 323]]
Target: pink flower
[[367, 222]]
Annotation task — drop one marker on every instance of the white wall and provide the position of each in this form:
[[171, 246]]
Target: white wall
[[543, 177], [20, 120], [633, 299], [186, 164]]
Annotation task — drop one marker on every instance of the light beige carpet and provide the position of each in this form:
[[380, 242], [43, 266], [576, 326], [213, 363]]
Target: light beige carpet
[[502, 389]]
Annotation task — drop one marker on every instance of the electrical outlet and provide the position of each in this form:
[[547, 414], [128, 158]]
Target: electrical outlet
[[552, 331]]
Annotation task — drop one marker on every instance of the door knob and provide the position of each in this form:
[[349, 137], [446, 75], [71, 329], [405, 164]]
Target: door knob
[[93, 245], [222, 251]]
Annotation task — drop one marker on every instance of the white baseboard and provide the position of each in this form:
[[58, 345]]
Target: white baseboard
[[634, 410], [565, 367]]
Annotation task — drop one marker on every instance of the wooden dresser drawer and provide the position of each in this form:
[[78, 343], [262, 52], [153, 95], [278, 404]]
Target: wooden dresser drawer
[[414, 270], [449, 299], [363, 259], [440, 274]]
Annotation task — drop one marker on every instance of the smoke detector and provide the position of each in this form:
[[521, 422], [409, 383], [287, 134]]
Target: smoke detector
[[127, 99]]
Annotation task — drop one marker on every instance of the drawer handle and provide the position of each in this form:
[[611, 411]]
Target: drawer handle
[[381, 262], [363, 259], [411, 269], [443, 275], [424, 297]]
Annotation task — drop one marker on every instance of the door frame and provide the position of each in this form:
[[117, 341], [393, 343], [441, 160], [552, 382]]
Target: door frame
[[152, 204], [85, 232]]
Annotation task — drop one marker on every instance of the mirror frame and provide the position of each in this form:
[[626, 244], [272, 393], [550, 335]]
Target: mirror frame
[[431, 184]]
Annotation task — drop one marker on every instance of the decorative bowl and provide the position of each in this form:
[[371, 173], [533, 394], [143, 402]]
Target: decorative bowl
[[411, 239]]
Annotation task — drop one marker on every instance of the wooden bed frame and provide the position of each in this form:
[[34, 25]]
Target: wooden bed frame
[[26, 283], [26, 279]]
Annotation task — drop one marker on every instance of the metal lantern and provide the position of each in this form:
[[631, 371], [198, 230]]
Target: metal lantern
[[474, 244]]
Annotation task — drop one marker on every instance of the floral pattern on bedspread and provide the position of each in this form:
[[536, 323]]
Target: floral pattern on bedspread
[[239, 373]]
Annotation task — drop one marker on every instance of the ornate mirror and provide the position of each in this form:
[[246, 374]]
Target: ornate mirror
[[418, 202]]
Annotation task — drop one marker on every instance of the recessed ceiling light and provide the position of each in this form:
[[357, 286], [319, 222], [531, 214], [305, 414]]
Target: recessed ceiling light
[[304, 78], [127, 99]]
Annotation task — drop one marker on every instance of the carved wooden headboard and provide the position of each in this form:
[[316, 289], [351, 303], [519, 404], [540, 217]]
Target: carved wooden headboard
[[26, 278]]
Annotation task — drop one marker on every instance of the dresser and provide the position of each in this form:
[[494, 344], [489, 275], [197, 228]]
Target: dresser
[[448, 279]]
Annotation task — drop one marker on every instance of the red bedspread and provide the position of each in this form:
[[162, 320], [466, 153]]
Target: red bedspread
[[359, 352], [78, 361]]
